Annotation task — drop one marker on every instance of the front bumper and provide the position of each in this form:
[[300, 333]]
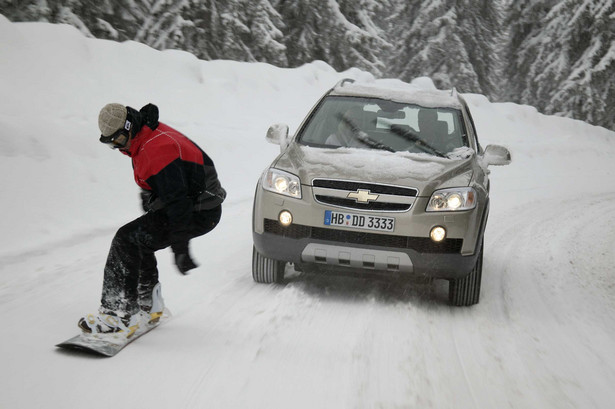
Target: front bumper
[[407, 252], [340, 256]]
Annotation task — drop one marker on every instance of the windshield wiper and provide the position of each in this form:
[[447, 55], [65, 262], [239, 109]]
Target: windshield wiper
[[362, 137], [422, 144]]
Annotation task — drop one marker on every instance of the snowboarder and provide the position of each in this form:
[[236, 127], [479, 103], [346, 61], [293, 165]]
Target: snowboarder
[[183, 199]]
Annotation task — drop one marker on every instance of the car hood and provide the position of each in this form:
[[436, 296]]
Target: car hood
[[421, 171]]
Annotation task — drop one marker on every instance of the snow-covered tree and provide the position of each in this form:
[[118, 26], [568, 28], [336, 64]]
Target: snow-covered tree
[[239, 30], [450, 41], [201, 36], [480, 29], [365, 42], [567, 61], [157, 23], [558, 54], [251, 30], [59, 11], [26, 10], [340, 32], [109, 19], [265, 34], [524, 21]]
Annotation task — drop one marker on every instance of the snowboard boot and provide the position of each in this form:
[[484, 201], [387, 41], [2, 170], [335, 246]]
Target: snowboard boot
[[154, 307], [112, 324]]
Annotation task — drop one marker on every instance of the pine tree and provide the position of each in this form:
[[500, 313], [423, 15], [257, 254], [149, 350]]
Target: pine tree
[[364, 41], [302, 41], [94, 18], [479, 23], [341, 32], [264, 24], [202, 35], [430, 44], [524, 21], [572, 75], [558, 54], [158, 23], [601, 77], [59, 11], [26, 10], [234, 31], [238, 30], [563, 59]]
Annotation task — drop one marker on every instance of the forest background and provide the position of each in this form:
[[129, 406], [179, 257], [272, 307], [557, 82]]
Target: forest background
[[556, 55]]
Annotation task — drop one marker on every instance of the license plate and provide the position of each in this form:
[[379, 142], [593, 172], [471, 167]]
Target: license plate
[[359, 221]]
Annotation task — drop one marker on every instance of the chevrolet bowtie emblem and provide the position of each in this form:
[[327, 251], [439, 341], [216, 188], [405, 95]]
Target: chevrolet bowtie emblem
[[362, 196]]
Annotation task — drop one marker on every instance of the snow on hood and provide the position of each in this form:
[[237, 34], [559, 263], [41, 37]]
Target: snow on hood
[[422, 171]]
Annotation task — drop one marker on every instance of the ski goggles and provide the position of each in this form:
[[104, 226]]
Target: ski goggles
[[116, 140]]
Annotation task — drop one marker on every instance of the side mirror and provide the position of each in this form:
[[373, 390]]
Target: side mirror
[[278, 135], [496, 155]]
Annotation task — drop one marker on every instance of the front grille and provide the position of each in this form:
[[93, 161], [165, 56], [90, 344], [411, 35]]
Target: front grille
[[419, 244], [391, 198], [374, 188], [377, 206]]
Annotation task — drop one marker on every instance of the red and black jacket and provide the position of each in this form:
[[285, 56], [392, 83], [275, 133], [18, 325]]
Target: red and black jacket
[[180, 175]]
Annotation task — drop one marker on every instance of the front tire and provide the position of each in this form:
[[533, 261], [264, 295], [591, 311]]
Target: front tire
[[267, 270], [466, 291]]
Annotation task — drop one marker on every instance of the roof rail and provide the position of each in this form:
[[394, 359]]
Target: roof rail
[[344, 81]]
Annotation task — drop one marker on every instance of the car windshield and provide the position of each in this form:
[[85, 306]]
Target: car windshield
[[371, 123]]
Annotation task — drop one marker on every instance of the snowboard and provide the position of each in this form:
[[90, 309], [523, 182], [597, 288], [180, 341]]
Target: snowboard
[[108, 345]]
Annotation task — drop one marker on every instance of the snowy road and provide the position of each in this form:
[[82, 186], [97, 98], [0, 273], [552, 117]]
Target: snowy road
[[543, 335]]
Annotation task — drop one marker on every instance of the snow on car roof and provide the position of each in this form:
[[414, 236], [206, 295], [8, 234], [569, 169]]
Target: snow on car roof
[[398, 91]]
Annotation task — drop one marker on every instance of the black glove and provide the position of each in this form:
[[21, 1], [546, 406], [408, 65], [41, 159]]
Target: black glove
[[150, 201], [146, 197], [184, 262]]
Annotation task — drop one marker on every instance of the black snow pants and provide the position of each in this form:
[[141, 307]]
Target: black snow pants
[[131, 270]]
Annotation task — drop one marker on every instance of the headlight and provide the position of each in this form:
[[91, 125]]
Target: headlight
[[450, 200], [284, 183]]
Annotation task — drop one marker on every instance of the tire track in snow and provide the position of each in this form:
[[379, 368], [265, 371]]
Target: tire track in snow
[[248, 321], [41, 271], [43, 250], [549, 247], [558, 312], [227, 314]]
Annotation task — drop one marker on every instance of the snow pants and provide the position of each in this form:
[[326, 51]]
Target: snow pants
[[131, 270]]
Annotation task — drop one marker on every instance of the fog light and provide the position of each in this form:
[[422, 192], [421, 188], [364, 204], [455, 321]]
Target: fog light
[[285, 218], [438, 233]]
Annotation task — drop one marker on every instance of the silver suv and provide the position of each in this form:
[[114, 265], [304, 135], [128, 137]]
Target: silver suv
[[378, 180]]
